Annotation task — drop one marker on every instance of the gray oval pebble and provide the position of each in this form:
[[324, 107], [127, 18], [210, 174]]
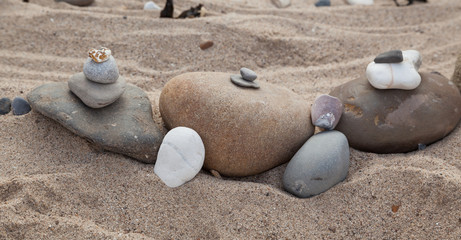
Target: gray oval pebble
[[5, 106], [321, 163], [20, 106], [104, 72], [248, 74]]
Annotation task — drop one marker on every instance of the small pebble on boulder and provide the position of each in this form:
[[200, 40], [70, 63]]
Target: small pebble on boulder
[[5, 106], [103, 72], [394, 56], [180, 157], [20, 106], [321, 163], [248, 74], [326, 111]]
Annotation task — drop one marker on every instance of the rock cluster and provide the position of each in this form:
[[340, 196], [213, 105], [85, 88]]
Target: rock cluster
[[100, 83], [244, 131]]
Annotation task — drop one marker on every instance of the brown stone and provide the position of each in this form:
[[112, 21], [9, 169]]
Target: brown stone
[[393, 121], [245, 131], [457, 74]]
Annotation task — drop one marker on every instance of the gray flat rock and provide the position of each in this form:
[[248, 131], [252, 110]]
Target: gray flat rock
[[239, 81], [125, 127], [96, 95]]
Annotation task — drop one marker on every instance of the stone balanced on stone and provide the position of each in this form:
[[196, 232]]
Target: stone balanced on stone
[[100, 83], [246, 78]]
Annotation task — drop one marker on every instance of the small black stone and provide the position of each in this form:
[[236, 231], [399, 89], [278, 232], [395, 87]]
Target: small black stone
[[20, 106], [394, 56], [193, 12], [167, 12], [323, 3], [5, 106], [421, 146]]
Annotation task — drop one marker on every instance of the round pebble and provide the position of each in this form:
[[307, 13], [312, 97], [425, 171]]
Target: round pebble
[[104, 72], [248, 74], [20, 106], [323, 3], [239, 81], [5, 106]]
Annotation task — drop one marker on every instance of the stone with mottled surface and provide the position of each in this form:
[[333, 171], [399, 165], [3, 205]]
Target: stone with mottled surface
[[245, 131], [395, 121], [125, 127]]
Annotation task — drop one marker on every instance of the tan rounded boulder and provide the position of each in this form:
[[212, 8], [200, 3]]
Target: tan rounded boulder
[[245, 131]]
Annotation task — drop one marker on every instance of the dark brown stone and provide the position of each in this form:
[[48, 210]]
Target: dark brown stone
[[245, 131], [393, 121]]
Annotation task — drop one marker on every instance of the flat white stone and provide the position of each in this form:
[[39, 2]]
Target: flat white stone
[[402, 75], [360, 2], [180, 157]]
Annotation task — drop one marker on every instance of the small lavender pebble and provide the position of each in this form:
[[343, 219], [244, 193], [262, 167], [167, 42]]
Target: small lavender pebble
[[20, 106], [5, 106], [248, 74], [326, 111], [323, 3], [105, 72]]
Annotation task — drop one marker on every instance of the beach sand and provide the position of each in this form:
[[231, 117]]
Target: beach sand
[[54, 185]]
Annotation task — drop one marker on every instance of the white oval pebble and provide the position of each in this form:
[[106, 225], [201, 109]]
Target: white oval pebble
[[403, 75], [151, 6], [180, 157]]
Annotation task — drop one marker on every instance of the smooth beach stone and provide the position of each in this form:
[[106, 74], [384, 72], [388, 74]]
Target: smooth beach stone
[[5, 106], [125, 127], [323, 3], [394, 56], [403, 75], [151, 6], [281, 3], [104, 72], [245, 132], [96, 95], [20, 106], [456, 78], [80, 3], [326, 111], [239, 81], [321, 163], [248, 74], [180, 157], [396, 121], [360, 2]]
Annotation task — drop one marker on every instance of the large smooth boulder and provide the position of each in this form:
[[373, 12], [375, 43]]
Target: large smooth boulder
[[125, 127], [395, 121], [245, 131]]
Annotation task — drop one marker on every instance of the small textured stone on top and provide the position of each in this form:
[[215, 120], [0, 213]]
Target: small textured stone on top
[[248, 74], [100, 55], [394, 56]]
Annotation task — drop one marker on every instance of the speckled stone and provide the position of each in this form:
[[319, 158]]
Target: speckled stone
[[125, 127], [5, 106], [104, 72], [326, 111], [248, 74], [245, 132], [395, 121], [321, 163], [20, 106]]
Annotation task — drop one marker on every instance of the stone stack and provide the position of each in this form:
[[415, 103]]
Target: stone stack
[[99, 84]]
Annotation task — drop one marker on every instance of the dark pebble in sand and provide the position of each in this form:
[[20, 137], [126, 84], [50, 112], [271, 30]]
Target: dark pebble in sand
[[323, 3], [20, 106], [5, 106], [206, 45], [394, 56]]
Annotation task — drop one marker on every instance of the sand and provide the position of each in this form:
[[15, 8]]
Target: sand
[[54, 185]]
